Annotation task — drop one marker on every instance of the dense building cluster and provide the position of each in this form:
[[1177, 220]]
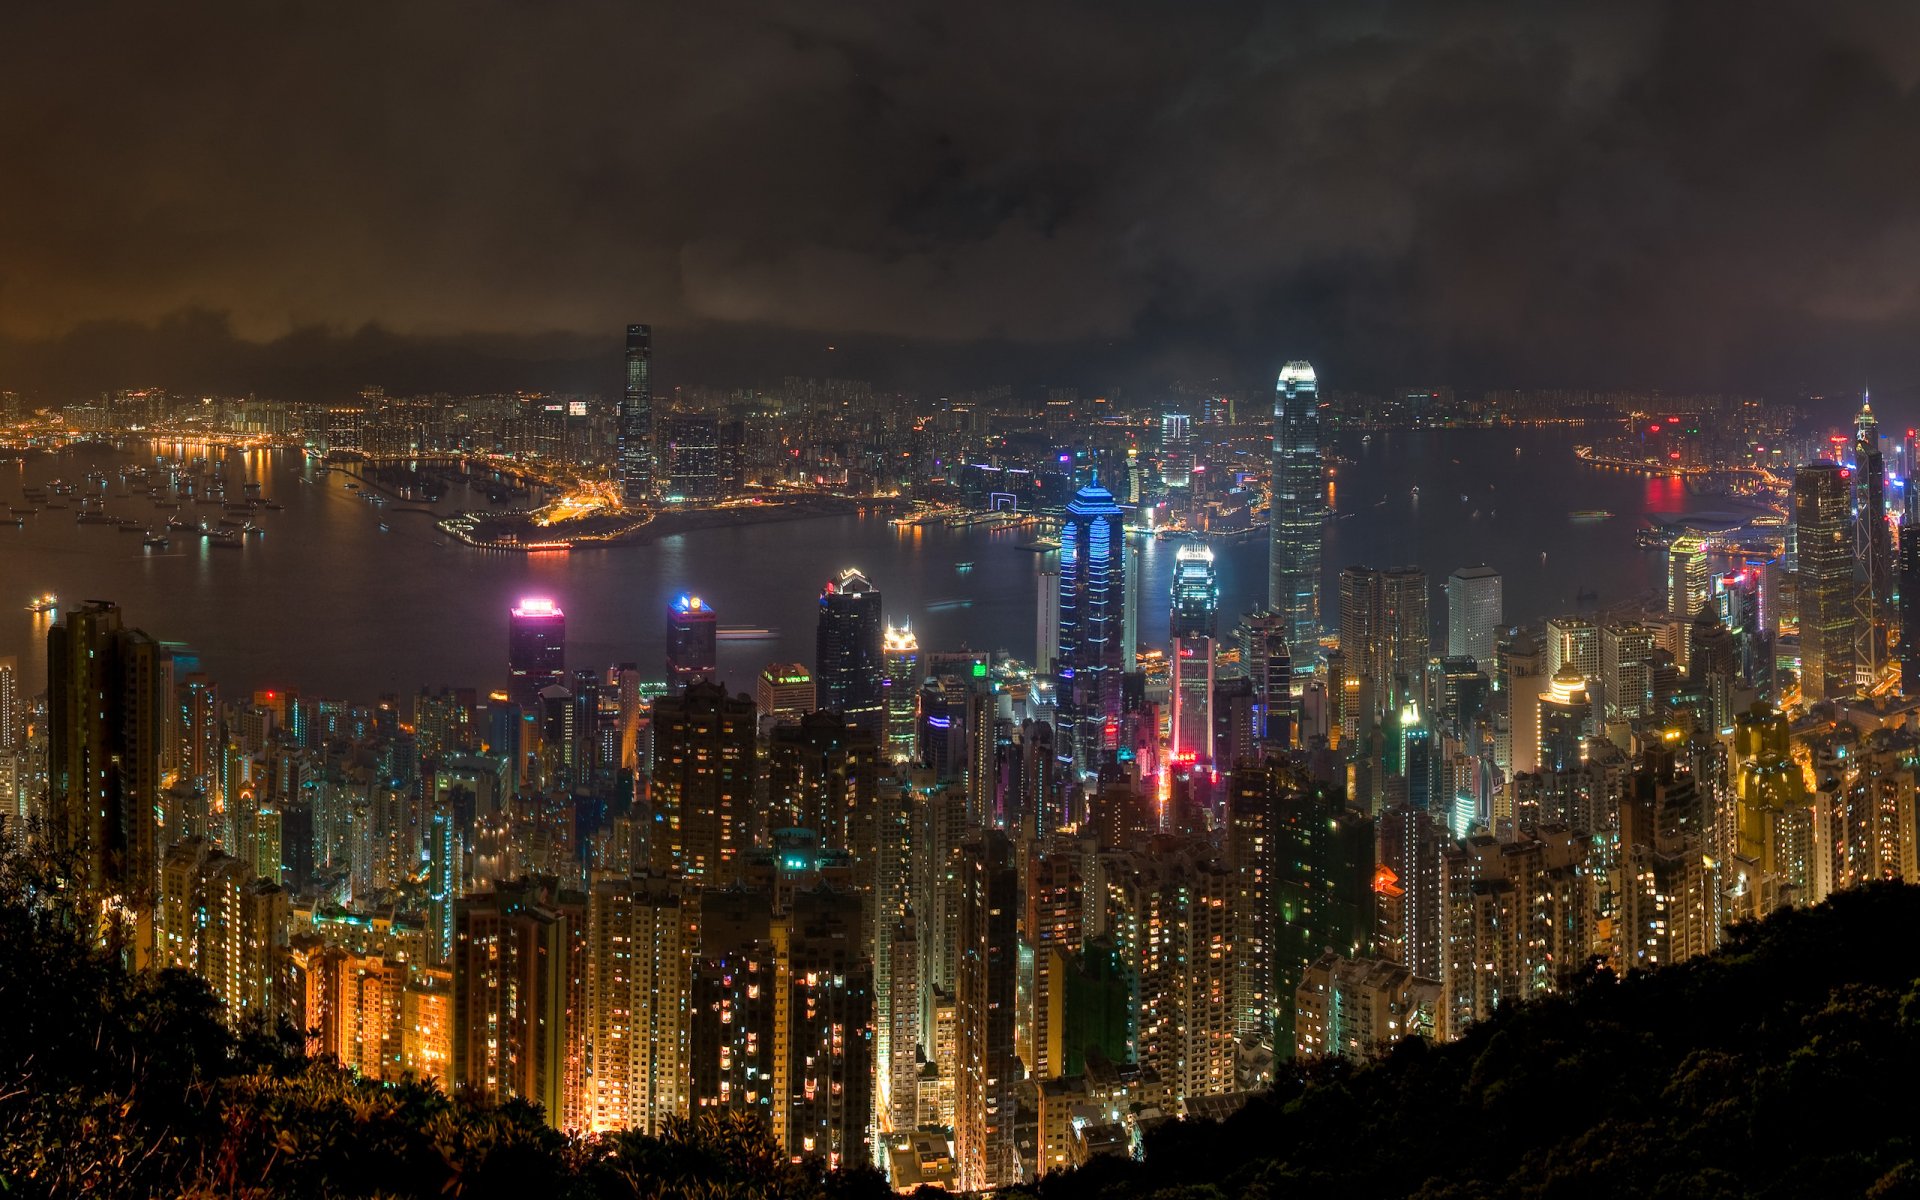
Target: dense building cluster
[[973, 917]]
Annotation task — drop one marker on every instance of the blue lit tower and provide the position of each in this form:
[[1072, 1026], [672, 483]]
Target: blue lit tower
[[849, 663], [636, 419], [692, 641], [1092, 657], [1299, 508], [1194, 619]]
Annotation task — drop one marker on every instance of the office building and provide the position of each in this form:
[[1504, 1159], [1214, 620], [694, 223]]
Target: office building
[[635, 450], [1910, 588], [1823, 536], [902, 680], [691, 455], [784, 693], [1384, 636], [1193, 617], [693, 649], [1091, 659], [1687, 576], [1267, 660], [536, 650], [850, 660], [1474, 613], [1297, 512]]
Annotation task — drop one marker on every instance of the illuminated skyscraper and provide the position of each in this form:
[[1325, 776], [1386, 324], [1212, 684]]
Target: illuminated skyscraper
[[1268, 661], [1823, 534], [1091, 660], [849, 660], [1910, 588], [902, 683], [1474, 614], [692, 641], [1298, 511], [518, 974], [1872, 547], [107, 694], [10, 722], [986, 1070], [636, 419], [639, 950], [704, 764], [536, 650], [1687, 577], [1384, 634], [1194, 618]]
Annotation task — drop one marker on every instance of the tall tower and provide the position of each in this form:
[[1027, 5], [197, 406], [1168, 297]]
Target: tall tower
[[639, 950], [986, 1086], [902, 683], [850, 656], [1872, 547], [692, 641], [636, 419], [106, 723], [1910, 587], [1298, 510], [536, 650], [704, 768], [1091, 659], [1473, 613], [1823, 533], [1194, 618]]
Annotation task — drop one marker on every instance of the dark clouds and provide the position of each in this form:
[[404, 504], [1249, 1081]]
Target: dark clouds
[[1713, 193]]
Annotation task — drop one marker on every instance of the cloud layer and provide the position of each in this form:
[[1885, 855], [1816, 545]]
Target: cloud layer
[[1713, 192]]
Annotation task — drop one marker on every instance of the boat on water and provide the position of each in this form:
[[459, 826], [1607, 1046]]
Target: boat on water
[[177, 523], [1414, 491], [43, 604], [1590, 514], [155, 541], [963, 568], [744, 633], [385, 528]]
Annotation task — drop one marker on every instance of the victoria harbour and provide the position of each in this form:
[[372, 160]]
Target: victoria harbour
[[407, 607]]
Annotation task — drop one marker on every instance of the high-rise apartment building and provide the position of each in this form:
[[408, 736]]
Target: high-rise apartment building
[[640, 940], [107, 697], [704, 764], [1297, 515], [986, 1069], [850, 658]]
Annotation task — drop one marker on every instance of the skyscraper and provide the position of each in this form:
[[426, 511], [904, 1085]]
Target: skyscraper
[[636, 419], [536, 650], [639, 951], [704, 767], [106, 718], [1688, 582], [1872, 546], [1194, 618], [902, 683], [986, 1083], [1823, 533], [1091, 659], [1268, 661], [692, 641], [1298, 510], [1473, 613], [850, 659], [1384, 633], [1910, 588]]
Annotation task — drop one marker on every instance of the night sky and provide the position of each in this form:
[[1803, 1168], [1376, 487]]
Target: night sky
[[294, 198]]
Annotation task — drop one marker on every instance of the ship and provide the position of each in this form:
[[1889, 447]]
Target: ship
[[44, 604], [155, 541], [1590, 514]]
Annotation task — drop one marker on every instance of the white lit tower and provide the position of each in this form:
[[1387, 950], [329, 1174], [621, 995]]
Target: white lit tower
[[1298, 511]]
